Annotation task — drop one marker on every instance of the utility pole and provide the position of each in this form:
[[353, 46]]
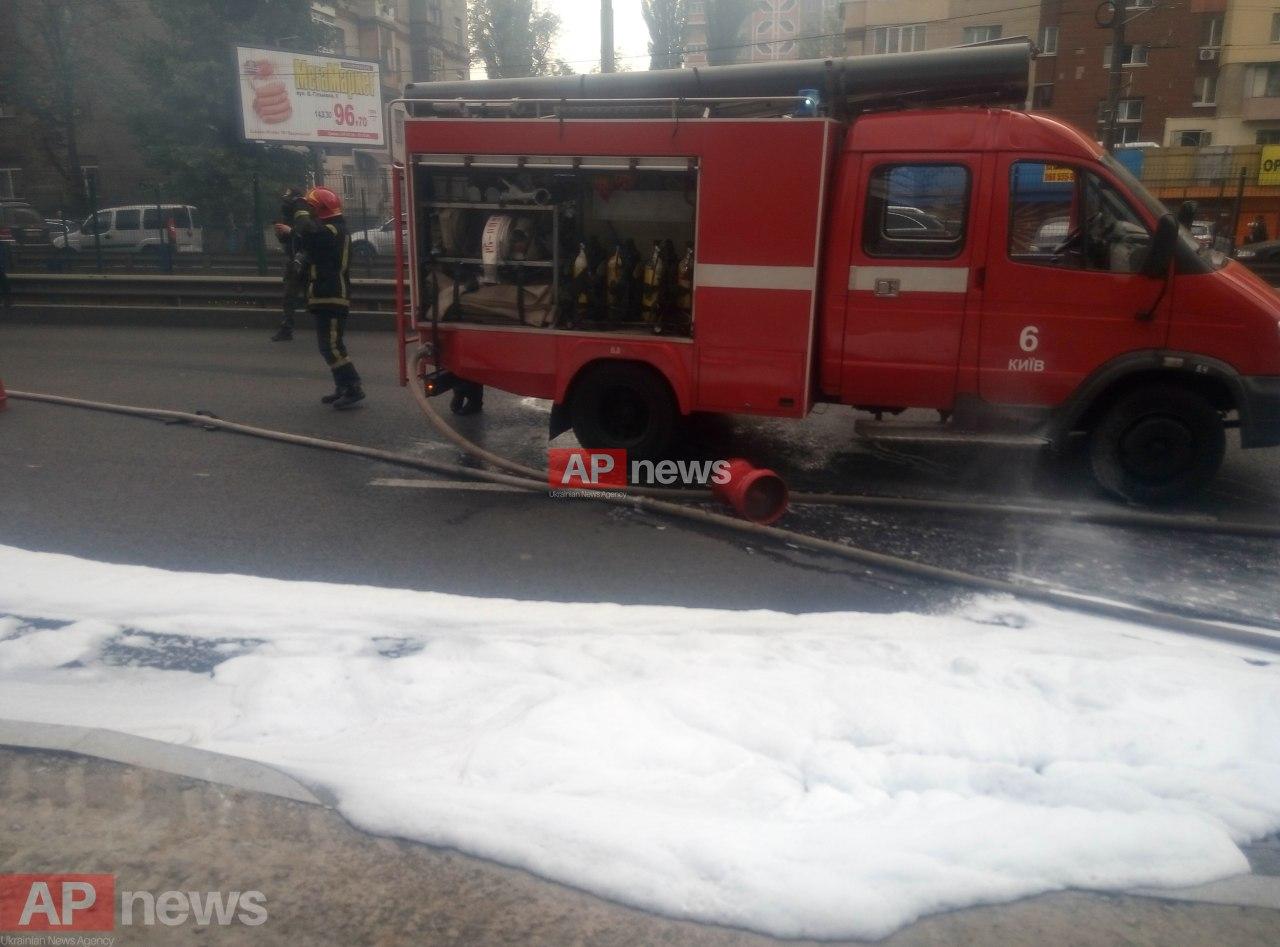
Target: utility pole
[[606, 36], [1116, 22]]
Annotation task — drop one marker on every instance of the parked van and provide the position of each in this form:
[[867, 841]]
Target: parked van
[[138, 228]]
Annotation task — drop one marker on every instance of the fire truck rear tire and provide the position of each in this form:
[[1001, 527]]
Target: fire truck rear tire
[[1157, 444], [624, 405]]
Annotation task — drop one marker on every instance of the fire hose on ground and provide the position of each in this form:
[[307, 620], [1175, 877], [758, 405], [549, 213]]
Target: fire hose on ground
[[526, 478]]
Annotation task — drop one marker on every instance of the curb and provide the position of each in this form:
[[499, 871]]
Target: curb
[[169, 758]]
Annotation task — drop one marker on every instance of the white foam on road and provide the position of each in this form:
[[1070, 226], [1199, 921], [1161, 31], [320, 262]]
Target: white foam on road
[[820, 775]]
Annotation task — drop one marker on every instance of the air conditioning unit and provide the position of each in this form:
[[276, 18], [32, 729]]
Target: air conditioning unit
[[1208, 53]]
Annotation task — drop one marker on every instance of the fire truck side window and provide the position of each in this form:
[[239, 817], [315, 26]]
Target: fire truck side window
[[916, 210], [1072, 218]]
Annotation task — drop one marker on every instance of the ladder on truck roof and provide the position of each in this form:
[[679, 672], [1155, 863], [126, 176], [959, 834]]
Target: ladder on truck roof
[[988, 74]]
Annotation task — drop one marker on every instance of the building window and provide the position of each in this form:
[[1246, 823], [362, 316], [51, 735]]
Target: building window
[[1134, 54], [1206, 90], [1042, 96], [435, 65], [1275, 27], [898, 39], [1268, 136], [1049, 41], [348, 183], [1128, 134], [9, 182], [1263, 81], [981, 34], [916, 210], [1127, 110], [1192, 138], [458, 36], [1213, 31]]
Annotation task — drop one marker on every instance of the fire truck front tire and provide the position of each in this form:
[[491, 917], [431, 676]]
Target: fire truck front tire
[[1157, 444], [624, 405]]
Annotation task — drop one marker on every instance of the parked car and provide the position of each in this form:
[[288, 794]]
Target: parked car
[[22, 226], [1263, 258], [137, 228], [377, 241], [57, 226], [1202, 230]]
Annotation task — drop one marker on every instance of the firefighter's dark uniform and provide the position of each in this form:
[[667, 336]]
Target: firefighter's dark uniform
[[328, 248], [295, 284]]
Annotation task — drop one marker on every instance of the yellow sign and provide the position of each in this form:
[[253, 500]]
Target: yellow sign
[[1269, 168], [1053, 174]]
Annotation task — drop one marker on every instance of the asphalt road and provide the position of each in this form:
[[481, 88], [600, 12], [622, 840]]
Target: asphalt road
[[137, 491]]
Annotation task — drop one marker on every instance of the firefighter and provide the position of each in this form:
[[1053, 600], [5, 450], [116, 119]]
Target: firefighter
[[320, 228], [295, 269]]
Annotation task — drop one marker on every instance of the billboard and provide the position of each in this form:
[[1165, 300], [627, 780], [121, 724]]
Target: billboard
[[1269, 165], [308, 99]]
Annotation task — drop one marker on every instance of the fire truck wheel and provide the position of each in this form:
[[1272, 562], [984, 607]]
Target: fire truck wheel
[[1157, 444], [625, 406]]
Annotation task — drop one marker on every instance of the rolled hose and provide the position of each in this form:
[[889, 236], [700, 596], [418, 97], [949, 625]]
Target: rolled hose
[[1253, 636]]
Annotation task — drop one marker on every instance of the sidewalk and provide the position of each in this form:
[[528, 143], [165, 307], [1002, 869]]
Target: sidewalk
[[326, 883]]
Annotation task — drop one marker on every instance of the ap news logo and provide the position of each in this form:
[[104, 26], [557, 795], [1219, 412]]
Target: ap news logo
[[73, 903], [579, 469], [57, 902]]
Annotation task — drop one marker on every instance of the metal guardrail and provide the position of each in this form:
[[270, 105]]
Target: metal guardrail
[[180, 291], [52, 260]]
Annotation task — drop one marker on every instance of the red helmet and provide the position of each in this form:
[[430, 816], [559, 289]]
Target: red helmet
[[325, 203]]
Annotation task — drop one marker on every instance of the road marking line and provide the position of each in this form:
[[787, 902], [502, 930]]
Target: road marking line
[[444, 485]]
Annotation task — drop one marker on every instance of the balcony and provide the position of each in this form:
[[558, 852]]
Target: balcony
[[1261, 109], [384, 10]]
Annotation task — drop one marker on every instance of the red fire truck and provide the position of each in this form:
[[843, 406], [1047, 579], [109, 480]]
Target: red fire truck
[[874, 232]]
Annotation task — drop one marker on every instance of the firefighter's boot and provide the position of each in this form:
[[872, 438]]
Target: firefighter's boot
[[283, 334], [348, 397]]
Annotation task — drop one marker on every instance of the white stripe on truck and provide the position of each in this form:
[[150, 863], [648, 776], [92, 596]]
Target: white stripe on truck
[[912, 279], [730, 276]]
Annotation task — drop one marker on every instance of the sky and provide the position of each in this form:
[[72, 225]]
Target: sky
[[579, 43]]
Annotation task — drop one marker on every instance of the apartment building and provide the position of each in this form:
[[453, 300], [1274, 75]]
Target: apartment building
[[1170, 60], [1242, 106], [1166, 77], [873, 26], [412, 41], [771, 30]]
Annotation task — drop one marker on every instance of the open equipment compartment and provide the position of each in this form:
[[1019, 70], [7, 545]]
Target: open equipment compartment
[[586, 243]]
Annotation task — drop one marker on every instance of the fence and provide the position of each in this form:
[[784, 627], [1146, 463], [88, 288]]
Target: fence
[[235, 236]]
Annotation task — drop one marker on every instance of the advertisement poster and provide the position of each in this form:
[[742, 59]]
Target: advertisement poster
[[309, 99]]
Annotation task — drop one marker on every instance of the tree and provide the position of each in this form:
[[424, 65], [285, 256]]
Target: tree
[[725, 19], [666, 21], [188, 127], [830, 41], [513, 39], [46, 77]]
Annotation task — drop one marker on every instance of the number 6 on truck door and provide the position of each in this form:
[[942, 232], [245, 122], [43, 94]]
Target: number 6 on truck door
[[1064, 286]]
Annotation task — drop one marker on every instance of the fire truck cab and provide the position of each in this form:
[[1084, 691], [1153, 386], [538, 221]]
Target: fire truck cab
[[988, 263]]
